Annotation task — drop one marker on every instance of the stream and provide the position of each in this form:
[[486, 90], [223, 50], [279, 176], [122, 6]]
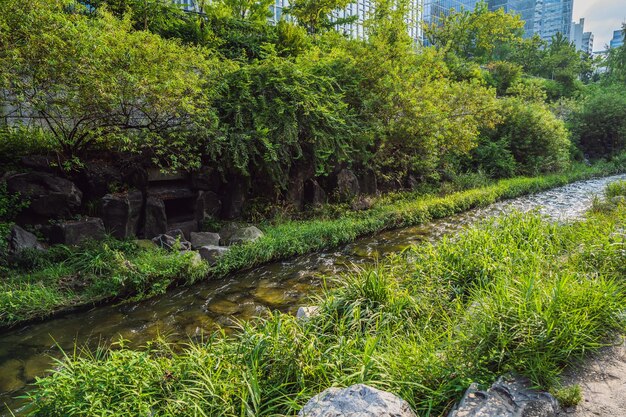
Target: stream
[[187, 312]]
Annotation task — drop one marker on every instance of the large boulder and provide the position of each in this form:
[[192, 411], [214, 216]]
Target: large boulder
[[49, 196], [98, 178], [368, 183], [356, 401], [121, 213], [507, 397], [155, 222], [212, 253], [20, 240], [199, 239], [347, 185], [174, 240], [314, 194], [233, 234], [208, 205], [235, 194], [206, 178], [75, 232]]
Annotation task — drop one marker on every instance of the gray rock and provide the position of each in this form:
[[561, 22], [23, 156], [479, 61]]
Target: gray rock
[[186, 228], [362, 203], [244, 235], [314, 194], [155, 218], [212, 253], [170, 242], [75, 232], [49, 196], [368, 182], [200, 239], [208, 205], [356, 401], [307, 312], [206, 178], [235, 198], [121, 213], [347, 185], [507, 397], [20, 240]]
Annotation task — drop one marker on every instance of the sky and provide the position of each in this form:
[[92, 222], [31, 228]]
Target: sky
[[602, 17]]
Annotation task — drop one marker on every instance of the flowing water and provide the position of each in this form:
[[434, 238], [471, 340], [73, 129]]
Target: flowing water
[[187, 312]]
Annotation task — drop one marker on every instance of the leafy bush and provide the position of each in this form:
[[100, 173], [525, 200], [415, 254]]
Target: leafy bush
[[599, 126], [530, 135]]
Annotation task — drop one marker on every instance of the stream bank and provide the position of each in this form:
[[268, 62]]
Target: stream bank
[[191, 311], [117, 270]]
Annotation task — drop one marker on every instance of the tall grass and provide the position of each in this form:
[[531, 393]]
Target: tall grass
[[515, 294]]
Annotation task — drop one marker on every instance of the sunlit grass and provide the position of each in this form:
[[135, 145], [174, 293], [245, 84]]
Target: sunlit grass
[[515, 294]]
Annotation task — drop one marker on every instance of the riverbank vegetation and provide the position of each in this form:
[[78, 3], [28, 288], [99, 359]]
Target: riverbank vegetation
[[41, 284], [266, 104], [514, 294]]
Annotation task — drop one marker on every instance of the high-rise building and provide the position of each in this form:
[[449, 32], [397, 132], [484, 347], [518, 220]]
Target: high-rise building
[[618, 39], [545, 18], [433, 10], [587, 43], [576, 34]]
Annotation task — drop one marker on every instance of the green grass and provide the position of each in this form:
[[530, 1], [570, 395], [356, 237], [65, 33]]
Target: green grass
[[515, 294], [42, 284], [68, 278]]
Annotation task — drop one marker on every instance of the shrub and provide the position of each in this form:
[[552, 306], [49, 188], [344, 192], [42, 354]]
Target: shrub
[[530, 135], [600, 125]]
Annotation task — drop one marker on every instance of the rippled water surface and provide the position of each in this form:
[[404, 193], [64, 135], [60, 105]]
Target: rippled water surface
[[184, 313]]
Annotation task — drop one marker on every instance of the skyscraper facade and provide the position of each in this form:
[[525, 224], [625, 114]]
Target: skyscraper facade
[[587, 42], [433, 10], [618, 39]]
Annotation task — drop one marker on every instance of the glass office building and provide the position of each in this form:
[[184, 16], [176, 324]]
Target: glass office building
[[618, 39], [545, 18], [433, 10]]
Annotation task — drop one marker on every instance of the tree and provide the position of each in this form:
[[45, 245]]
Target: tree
[[158, 16], [278, 112], [616, 62], [563, 64], [529, 140], [599, 126], [475, 35], [95, 82], [316, 15], [251, 10]]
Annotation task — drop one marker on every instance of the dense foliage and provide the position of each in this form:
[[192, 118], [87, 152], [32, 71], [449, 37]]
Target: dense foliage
[[265, 101]]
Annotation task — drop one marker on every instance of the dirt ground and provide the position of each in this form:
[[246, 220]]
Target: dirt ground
[[603, 382]]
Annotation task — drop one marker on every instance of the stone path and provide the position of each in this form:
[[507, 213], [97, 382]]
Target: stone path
[[603, 382]]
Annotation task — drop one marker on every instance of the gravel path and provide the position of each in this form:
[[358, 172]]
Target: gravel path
[[603, 382]]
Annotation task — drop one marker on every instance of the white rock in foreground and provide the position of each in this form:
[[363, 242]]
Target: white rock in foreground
[[307, 312], [356, 401]]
